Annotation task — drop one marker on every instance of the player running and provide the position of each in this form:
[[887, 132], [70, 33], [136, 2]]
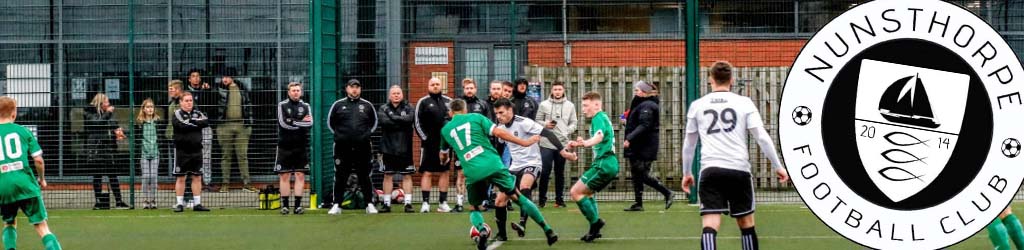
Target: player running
[[525, 161], [468, 135], [722, 121], [602, 171], [19, 188]]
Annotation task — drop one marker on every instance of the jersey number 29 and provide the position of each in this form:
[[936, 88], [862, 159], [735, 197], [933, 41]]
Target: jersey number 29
[[455, 135], [728, 117]]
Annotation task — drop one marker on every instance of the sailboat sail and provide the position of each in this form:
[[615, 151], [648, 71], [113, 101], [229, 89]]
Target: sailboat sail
[[907, 103]]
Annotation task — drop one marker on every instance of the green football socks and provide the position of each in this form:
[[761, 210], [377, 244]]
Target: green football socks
[[10, 238], [997, 234], [588, 206], [1014, 229], [532, 211], [477, 220]]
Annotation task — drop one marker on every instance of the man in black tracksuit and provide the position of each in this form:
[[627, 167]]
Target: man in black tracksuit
[[352, 119], [641, 142], [294, 119], [523, 105], [396, 118], [431, 116], [188, 143]]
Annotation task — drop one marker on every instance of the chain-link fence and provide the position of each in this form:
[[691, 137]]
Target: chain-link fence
[[58, 55]]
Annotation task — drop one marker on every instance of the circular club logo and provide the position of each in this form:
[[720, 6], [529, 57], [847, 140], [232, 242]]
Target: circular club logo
[[903, 122]]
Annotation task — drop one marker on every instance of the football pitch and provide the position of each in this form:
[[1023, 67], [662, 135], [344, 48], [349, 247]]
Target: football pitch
[[778, 226]]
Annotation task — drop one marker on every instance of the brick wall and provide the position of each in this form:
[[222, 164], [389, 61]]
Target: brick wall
[[741, 53]]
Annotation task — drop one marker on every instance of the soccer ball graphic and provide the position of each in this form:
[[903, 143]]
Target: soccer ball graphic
[[475, 234], [802, 115], [1011, 148]]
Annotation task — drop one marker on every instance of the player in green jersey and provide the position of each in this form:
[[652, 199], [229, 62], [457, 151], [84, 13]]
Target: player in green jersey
[[602, 171], [19, 188], [468, 135]]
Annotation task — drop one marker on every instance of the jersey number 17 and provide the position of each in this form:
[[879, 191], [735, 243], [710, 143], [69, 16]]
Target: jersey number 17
[[455, 136]]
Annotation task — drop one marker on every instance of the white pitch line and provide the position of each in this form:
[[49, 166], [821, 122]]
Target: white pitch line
[[696, 238], [268, 214], [495, 245]]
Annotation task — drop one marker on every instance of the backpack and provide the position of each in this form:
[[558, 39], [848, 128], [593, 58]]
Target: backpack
[[269, 198]]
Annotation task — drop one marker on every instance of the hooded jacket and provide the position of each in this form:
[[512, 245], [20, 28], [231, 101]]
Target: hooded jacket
[[642, 127], [563, 112], [523, 105]]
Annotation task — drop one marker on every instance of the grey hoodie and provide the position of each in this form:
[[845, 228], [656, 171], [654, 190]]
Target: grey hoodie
[[561, 111]]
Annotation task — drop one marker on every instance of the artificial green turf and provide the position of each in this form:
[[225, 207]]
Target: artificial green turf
[[778, 227]]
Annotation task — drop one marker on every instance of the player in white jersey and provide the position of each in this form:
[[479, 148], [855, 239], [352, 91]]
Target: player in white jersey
[[722, 121], [526, 161]]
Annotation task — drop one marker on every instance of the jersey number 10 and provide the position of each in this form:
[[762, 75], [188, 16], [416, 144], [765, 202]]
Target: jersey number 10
[[11, 147], [728, 117]]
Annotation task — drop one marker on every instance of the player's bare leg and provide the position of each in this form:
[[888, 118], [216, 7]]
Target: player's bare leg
[[425, 185], [711, 223], [197, 192], [179, 193], [389, 185], [748, 236], [460, 187], [443, 185], [297, 192], [584, 198], [407, 187], [284, 187]]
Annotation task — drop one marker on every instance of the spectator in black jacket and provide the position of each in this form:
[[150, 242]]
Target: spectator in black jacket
[[204, 98], [103, 134], [188, 144], [352, 119], [396, 118], [431, 116], [641, 142], [294, 118], [524, 105], [496, 93], [234, 116]]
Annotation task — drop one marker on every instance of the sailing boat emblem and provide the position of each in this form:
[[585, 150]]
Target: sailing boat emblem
[[903, 144], [906, 101]]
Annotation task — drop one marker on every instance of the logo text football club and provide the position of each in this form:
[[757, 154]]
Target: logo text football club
[[903, 126]]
